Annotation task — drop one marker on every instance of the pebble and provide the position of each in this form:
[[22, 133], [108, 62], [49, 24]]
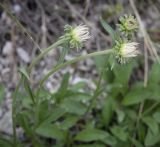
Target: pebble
[[23, 55], [8, 48], [6, 123]]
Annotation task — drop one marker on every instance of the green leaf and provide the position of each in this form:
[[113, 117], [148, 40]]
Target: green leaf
[[107, 111], [63, 88], [73, 107], [156, 116], [78, 86], [120, 115], [44, 94], [154, 74], [119, 133], [27, 84], [5, 143], [123, 73], [151, 139], [2, 93], [24, 123], [103, 65], [152, 124], [69, 122], [92, 145], [63, 53], [24, 72], [107, 28], [42, 111], [136, 95], [109, 140], [141, 132], [29, 91], [51, 131], [88, 135], [154, 90], [56, 114], [136, 142], [78, 96], [131, 114]]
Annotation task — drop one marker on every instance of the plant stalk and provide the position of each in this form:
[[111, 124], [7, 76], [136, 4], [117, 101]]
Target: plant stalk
[[44, 52], [14, 114], [79, 58]]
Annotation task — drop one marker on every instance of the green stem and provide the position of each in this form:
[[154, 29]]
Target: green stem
[[73, 61], [44, 52], [95, 95], [96, 92], [14, 114], [151, 108]]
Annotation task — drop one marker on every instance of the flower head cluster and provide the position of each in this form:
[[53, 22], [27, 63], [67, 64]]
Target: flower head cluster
[[76, 36], [124, 50], [128, 24]]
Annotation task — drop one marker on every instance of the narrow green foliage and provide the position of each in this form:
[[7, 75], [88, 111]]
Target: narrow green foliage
[[2, 93], [108, 28]]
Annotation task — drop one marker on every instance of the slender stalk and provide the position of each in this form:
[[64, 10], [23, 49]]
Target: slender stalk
[[95, 95], [151, 108], [96, 92], [71, 62], [44, 52], [14, 114]]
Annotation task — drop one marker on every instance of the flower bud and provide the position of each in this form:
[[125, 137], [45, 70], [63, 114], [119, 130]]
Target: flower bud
[[124, 50], [128, 24], [76, 36]]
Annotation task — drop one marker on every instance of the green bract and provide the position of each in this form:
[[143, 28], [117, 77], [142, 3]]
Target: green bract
[[128, 24], [76, 36], [124, 50]]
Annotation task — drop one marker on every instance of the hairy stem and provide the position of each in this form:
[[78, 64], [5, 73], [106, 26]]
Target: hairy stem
[[96, 92], [44, 52], [14, 114], [60, 66]]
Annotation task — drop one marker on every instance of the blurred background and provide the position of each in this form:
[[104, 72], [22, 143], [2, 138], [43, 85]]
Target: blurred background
[[40, 23]]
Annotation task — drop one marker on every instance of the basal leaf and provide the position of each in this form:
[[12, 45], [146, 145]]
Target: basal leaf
[[136, 95], [5, 143], [73, 107], [120, 133], [2, 93], [69, 122], [63, 88], [107, 110], [88, 135], [107, 28], [151, 139], [24, 123], [24, 72], [50, 131], [154, 74], [152, 124], [156, 116]]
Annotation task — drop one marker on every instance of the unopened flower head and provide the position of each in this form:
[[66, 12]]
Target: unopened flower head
[[128, 24], [125, 50], [76, 36]]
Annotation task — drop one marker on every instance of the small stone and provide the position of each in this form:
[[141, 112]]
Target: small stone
[[6, 123], [23, 55], [17, 8], [8, 48]]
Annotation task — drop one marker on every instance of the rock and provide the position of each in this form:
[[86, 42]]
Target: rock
[[8, 48], [23, 55], [6, 123], [17, 8]]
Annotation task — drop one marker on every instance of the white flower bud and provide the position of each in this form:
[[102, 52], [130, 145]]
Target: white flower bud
[[76, 36], [125, 50]]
